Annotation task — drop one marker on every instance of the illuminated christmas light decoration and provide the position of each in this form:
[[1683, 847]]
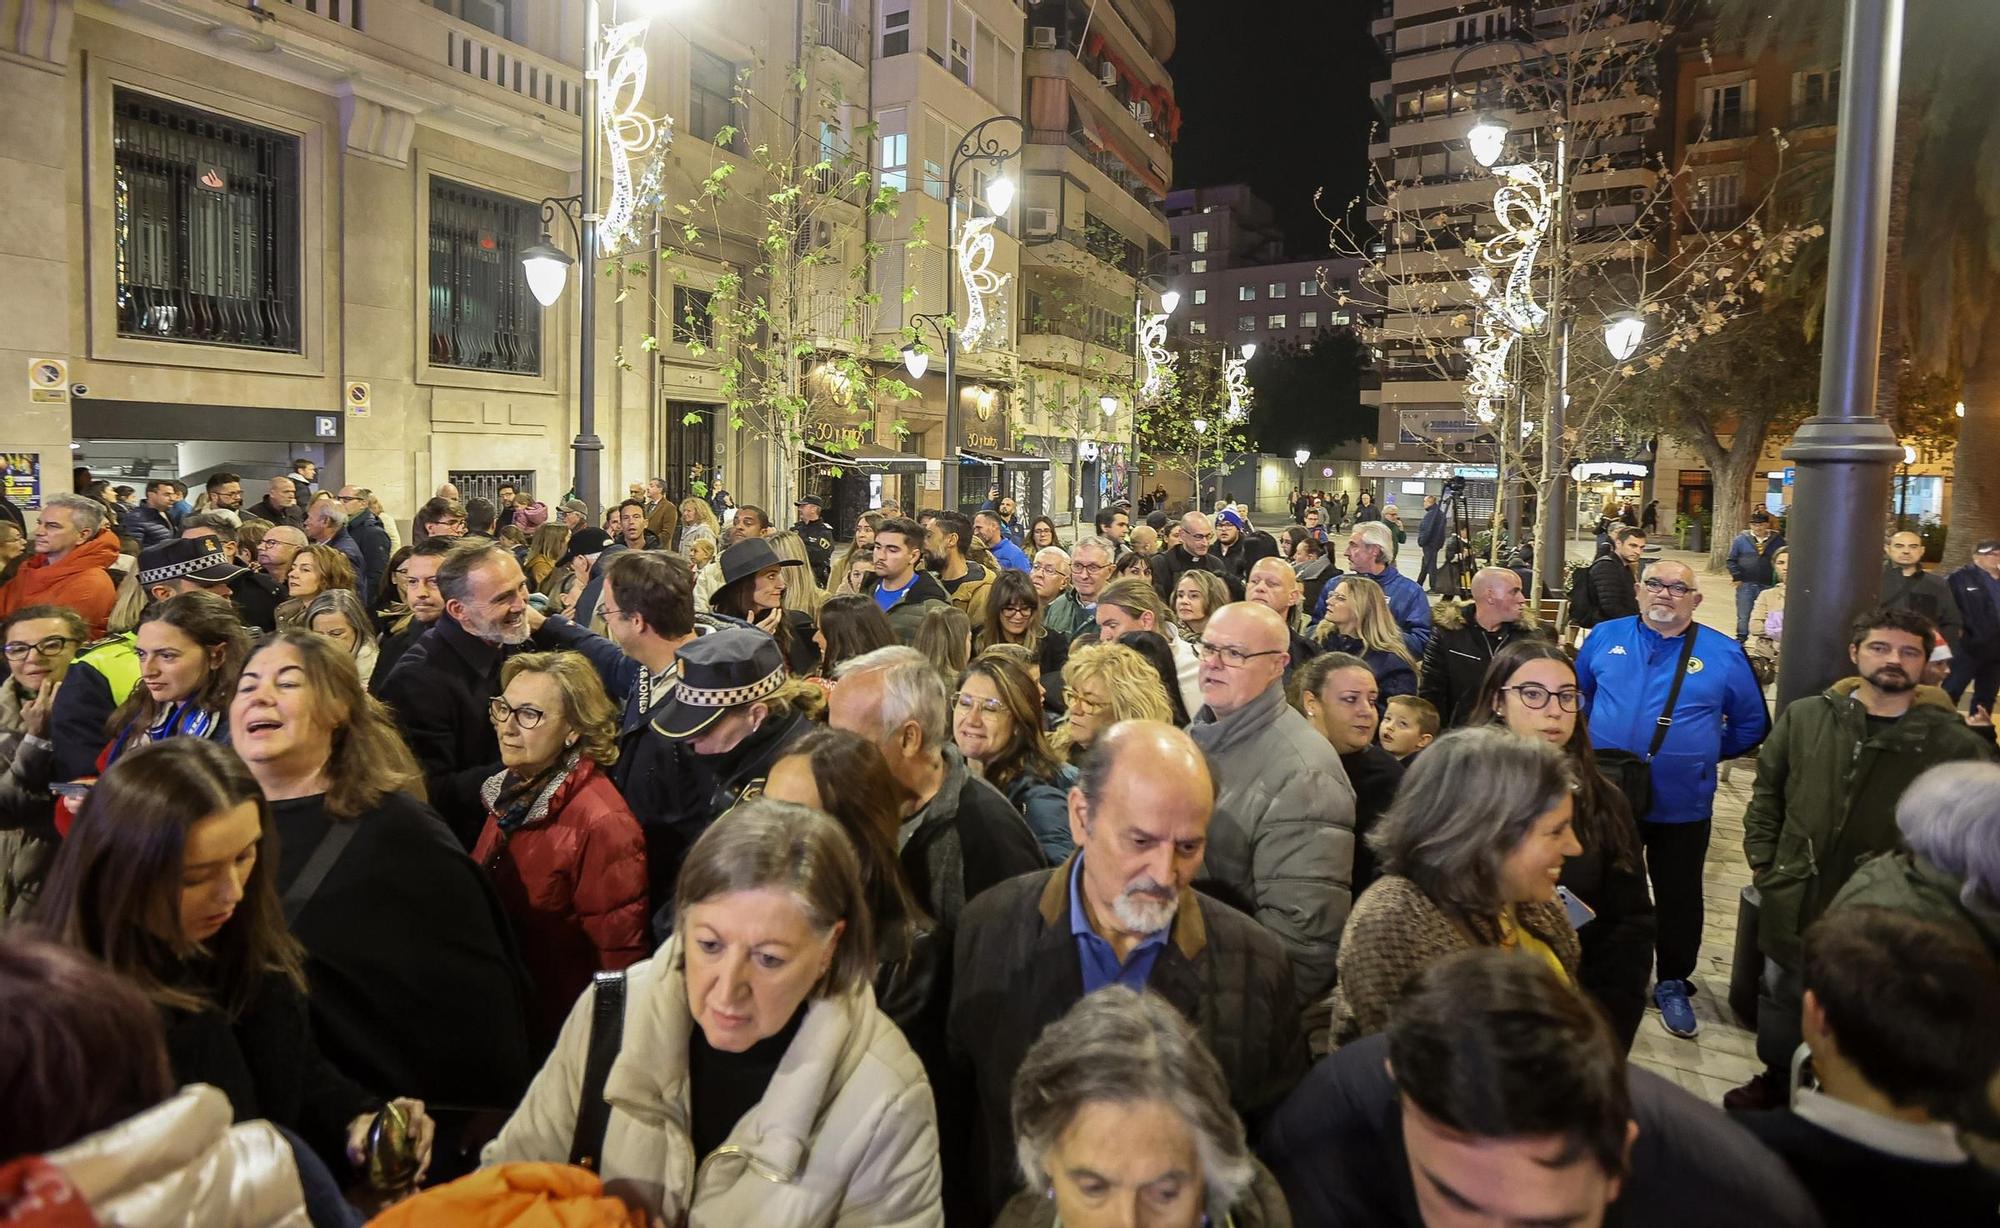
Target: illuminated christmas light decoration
[[1236, 380], [1524, 208], [629, 133], [1159, 360], [982, 285]]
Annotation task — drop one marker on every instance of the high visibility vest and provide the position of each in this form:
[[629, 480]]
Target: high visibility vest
[[117, 659]]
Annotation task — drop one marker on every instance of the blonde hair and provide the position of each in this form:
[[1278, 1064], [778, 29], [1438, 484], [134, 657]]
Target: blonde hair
[[1135, 597], [1374, 625], [802, 590], [703, 515], [1130, 680], [586, 707], [1214, 593]]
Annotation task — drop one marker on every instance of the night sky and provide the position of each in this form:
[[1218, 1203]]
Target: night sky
[[1274, 93]]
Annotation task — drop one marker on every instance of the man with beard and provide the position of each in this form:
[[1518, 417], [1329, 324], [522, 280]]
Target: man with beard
[[1678, 698], [1828, 780], [444, 684], [1121, 911]]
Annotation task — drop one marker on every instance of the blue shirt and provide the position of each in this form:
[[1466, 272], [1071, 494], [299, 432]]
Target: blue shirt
[[1010, 556], [886, 597], [1099, 961]]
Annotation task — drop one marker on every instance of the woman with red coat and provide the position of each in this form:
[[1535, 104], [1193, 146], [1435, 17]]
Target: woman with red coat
[[562, 847]]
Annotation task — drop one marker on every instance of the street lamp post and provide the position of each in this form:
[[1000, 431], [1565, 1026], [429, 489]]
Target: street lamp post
[[1200, 431]]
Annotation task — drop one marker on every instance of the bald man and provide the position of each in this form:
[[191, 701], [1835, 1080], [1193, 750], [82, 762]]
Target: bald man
[[1465, 641], [1122, 910], [1283, 844], [1275, 585], [1627, 669]]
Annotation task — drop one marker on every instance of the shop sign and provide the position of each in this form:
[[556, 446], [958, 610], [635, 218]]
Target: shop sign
[[1594, 471]]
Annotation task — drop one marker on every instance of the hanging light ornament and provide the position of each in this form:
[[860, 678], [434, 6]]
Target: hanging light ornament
[[1524, 208], [982, 284], [629, 133], [1236, 379], [1159, 360]]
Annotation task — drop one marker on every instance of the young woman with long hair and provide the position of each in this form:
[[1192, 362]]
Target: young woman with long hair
[[945, 638], [1041, 535], [755, 582], [1358, 621], [850, 624], [996, 723], [545, 550], [189, 648], [168, 879], [1530, 690], [1197, 595], [1013, 613]]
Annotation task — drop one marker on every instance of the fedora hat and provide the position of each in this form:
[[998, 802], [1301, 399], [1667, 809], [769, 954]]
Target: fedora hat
[[750, 556]]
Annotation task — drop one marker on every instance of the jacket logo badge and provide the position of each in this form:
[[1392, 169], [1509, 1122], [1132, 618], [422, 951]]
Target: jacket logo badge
[[1617, 650], [1694, 665]]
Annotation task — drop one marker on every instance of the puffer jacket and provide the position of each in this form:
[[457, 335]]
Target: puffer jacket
[[81, 581], [1904, 882], [1626, 669], [515, 1196], [27, 812], [1820, 769], [844, 1135], [1396, 931], [1456, 660], [572, 879], [970, 595], [1282, 841], [180, 1164]]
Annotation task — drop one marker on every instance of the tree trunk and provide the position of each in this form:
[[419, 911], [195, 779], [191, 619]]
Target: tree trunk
[[1975, 488], [1731, 468]]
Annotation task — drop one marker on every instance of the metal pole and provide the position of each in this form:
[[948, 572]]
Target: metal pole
[[1552, 551], [1844, 455], [953, 440], [587, 447]]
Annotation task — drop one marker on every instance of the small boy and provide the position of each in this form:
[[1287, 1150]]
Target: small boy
[[1409, 725]]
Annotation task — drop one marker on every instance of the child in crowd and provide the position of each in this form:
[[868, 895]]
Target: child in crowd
[[1408, 725]]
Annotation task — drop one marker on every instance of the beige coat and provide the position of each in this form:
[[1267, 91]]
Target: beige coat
[[180, 1164], [845, 1135]]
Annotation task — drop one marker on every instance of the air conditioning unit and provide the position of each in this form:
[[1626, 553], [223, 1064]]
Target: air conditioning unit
[[1042, 36], [1107, 74], [1042, 222], [1142, 111], [1640, 196]]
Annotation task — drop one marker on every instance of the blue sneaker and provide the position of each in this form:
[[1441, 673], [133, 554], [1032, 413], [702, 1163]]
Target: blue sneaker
[[1676, 1012]]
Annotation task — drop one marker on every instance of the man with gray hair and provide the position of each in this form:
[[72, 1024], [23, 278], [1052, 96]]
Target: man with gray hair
[[959, 835], [1371, 552], [1088, 570], [1192, 554], [1122, 911], [73, 551], [326, 525]]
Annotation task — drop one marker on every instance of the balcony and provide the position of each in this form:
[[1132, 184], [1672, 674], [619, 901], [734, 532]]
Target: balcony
[[1823, 113], [1730, 126], [838, 29]]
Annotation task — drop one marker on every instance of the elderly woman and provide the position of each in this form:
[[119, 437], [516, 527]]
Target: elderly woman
[[696, 514], [415, 983], [1471, 851], [752, 1039], [40, 641], [1531, 690], [1104, 684], [1121, 1117], [564, 850], [1358, 621], [997, 725], [1949, 868], [338, 616], [1198, 594]]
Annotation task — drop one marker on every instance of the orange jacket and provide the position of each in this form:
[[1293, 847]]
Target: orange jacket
[[80, 582], [514, 1196]]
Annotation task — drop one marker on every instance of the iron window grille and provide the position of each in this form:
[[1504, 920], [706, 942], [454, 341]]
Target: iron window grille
[[482, 316], [694, 317], [206, 216]]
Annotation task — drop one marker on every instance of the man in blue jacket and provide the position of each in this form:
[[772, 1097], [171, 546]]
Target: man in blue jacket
[[1627, 669], [1976, 661], [1751, 559], [1371, 551]]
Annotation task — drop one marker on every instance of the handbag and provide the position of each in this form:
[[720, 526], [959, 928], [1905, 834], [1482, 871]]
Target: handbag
[[607, 1033], [1632, 773]]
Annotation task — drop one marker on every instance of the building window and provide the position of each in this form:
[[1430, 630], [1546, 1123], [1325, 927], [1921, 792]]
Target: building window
[[1718, 200], [482, 315], [896, 31], [1275, 290], [891, 132], [1277, 321], [1199, 240], [488, 15], [1729, 110], [938, 146], [960, 43], [694, 321], [1308, 288], [1198, 328], [1246, 324], [1338, 317], [206, 221], [1246, 294], [1816, 97], [712, 98], [1309, 319], [1200, 297], [1197, 266]]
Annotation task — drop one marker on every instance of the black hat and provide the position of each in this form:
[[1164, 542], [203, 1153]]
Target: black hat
[[190, 558], [750, 556], [723, 669], [582, 542], [815, 500]]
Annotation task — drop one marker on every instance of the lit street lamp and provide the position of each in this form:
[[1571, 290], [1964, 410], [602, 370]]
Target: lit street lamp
[[1488, 138], [1622, 333]]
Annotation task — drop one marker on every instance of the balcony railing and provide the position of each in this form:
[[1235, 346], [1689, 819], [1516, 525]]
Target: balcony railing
[[836, 28], [1822, 114], [1730, 127]]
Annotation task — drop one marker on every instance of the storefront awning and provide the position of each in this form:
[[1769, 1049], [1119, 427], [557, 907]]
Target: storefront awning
[[1010, 459], [1609, 469], [868, 458]]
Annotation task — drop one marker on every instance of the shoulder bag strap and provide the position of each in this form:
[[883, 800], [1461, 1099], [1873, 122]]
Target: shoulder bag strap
[[607, 1033], [324, 855], [1666, 720]]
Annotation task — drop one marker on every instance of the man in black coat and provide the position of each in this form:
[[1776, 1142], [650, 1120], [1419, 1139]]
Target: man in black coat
[[1907, 586], [1122, 910], [1193, 552], [1614, 579], [365, 527], [1455, 660], [1238, 547], [1498, 1095], [1431, 533], [426, 606], [817, 535], [280, 504], [1976, 588]]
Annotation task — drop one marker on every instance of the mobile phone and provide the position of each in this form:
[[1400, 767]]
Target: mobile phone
[[1580, 913]]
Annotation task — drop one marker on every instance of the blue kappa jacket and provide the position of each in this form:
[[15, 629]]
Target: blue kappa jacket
[[1626, 668]]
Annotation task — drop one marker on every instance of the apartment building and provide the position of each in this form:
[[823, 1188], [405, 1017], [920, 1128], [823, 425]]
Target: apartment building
[[1236, 285]]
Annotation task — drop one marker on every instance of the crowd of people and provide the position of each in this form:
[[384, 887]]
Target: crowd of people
[[938, 869]]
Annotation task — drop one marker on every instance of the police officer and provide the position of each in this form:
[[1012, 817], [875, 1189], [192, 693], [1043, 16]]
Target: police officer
[[817, 534]]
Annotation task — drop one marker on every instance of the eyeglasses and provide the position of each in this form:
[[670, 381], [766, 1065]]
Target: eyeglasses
[[50, 646], [1016, 608], [1089, 569], [1232, 656], [501, 711], [1537, 696], [1077, 701], [1659, 586], [1045, 569], [970, 703]]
